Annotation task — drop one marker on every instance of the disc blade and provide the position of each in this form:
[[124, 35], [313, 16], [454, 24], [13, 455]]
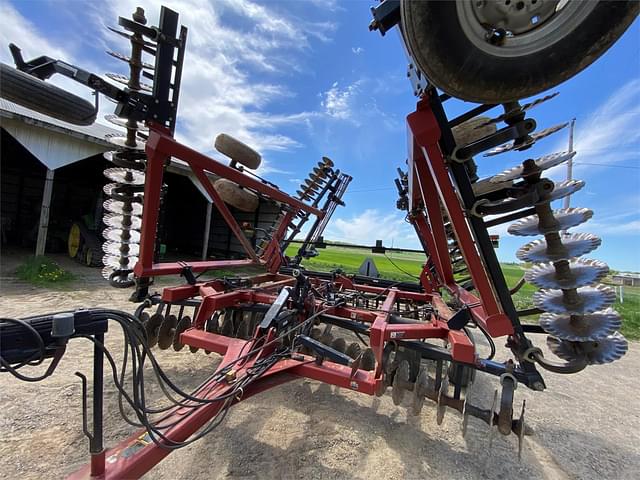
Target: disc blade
[[563, 189], [122, 221], [327, 162], [120, 208], [123, 192], [593, 298], [121, 141], [584, 328], [566, 217], [442, 408], [128, 156], [533, 138], [543, 163], [108, 271], [119, 263], [583, 272], [121, 249], [606, 350], [120, 235], [122, 122], [125, 176], [127, 59], [116, 77], [522, 109], [576, 245]]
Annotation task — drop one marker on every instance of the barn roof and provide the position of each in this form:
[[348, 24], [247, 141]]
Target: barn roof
[[94, 133]]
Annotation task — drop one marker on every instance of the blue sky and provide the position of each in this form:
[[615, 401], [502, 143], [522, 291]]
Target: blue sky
[[299, 80]]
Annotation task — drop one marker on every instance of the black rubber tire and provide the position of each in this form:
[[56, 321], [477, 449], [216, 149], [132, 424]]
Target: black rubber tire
[[43, 97], [442, 51]]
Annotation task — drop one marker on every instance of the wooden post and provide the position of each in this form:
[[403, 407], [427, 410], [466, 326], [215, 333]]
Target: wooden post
[[567, 200], [44, 213], [207, 229]]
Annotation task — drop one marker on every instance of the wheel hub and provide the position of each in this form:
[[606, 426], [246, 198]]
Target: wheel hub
[[514, 16], [516, 28]]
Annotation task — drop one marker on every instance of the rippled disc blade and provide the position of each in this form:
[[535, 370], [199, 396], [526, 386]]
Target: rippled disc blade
[[106, 272], [583, 272], [566, 217], [564, 189], [576, 245], [115, 262], [593, 298], [125, 155], [605, 350], [327, 161], [127, 59], [543, 163], [128, 36], [122, 122], [120, 208], [120, 221], [523, 108], [581, 328], [533, 138], [116, 77], [125, 176], [121, 235], [121, 249], [120, 141], [110, 190]]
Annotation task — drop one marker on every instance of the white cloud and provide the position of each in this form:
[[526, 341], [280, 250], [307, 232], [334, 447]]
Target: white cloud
[[610, 134], [231, 44], [371, 225], [338, 102], [357, 50]]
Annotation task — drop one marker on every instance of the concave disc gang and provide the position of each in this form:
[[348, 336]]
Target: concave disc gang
[[120, 221], [120, 208], [606, 350], [544, 163], [592, 298], [121, 235], [585, 328], [566, 217], [116, 249], [583, 272], [115, 262], [125, 176], [576, 245]]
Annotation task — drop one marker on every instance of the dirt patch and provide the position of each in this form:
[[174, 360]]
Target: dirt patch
[[586, 425]]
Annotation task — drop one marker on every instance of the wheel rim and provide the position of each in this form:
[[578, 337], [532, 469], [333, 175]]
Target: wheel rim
[[73, 243], [514, 28]]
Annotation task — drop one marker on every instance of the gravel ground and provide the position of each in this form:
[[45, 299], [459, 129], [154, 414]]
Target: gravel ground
[[586, 425]]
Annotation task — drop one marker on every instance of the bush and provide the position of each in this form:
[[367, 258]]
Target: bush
[[42, 271]]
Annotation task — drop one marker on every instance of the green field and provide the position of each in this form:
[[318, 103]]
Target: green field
[[406, 266]]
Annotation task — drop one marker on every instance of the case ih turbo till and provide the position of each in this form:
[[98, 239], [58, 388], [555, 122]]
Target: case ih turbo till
[[360, 333]]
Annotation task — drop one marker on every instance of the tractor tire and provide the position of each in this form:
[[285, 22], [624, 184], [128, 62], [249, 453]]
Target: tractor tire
[[93, 257], [43, 97], [448, 42]]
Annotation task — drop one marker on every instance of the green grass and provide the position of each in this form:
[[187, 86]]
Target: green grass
[[350, 259], [43, 271], [409, 265]]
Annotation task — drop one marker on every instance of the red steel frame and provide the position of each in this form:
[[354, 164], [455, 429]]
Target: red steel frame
[[160, 148], [429, 181]]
